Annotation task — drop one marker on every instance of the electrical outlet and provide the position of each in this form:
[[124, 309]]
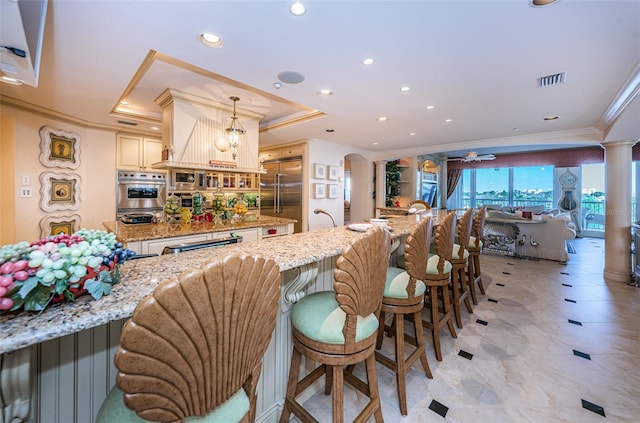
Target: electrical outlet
[[25, 192]]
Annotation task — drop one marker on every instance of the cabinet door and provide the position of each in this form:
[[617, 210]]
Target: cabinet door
[[152, 152], [128, 152]]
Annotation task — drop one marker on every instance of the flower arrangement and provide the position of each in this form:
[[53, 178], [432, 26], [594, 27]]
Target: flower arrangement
[[59, 268]]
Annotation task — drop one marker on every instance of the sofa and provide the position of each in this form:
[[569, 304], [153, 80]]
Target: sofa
[[544, 237]]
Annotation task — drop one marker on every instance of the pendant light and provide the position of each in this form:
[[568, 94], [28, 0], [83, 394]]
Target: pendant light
[[235, 131]]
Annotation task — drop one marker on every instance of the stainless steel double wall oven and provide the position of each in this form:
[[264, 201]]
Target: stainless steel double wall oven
[[140, 192]]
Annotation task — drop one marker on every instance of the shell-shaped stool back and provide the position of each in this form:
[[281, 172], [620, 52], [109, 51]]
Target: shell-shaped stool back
[[199, 338], [460, 263], [475, 248]]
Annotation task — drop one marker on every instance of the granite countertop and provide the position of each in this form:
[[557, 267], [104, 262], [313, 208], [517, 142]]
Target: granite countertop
[[139, 278], [146, 231]]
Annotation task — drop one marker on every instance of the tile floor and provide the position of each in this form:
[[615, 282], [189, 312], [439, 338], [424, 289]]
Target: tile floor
[[558, 342]]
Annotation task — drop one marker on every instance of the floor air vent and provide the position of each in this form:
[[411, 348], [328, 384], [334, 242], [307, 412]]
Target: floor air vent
[[555, 79]]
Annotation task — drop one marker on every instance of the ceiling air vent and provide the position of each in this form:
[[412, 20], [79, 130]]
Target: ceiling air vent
[[555, 79], [126, 122]]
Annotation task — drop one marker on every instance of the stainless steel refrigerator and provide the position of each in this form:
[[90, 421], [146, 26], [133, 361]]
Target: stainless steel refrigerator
[[281, 190]]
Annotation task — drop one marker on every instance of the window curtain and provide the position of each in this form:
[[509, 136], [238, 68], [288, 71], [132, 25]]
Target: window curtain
[[453, 177]]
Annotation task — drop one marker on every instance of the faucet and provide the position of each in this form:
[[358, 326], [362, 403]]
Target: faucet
[[323, 211]]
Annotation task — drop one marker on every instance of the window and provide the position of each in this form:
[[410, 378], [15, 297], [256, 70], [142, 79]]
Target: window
[[508, 186]]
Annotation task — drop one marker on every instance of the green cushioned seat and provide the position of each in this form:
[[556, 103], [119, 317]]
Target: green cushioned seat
[[114, 410], [432, 265], [456, 247], [397, 281], [319, 317], [472, 242]]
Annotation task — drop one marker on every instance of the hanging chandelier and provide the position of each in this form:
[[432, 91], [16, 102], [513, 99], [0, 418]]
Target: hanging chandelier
[[235, 131]]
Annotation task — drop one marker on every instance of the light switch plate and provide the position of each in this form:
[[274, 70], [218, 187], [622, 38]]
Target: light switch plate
[[25, 180], [25, 192]]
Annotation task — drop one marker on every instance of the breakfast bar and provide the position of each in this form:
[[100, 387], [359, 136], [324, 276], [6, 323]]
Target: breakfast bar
[[75, 342]]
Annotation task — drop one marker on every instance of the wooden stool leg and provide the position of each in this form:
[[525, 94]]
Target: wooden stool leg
[[417, 325], [381, 326], [401, 371], [291, 385], [372, 378], [447, 310], [471, 275], [479, 274], [328, 381], [338, 394], [465, 288], [435, 325], [455, 291]]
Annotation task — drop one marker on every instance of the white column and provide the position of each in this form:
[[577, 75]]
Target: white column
[[381, 183], [617, 228]]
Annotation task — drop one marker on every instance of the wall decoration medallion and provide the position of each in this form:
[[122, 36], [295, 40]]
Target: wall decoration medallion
[[59, 191], [59, 148], [54, 225]]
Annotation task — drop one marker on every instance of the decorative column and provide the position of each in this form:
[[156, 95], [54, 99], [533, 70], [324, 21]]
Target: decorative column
[[617, 221], [381, 184]]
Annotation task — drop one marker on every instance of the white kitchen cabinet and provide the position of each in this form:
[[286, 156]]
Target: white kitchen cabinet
[[137, 153]]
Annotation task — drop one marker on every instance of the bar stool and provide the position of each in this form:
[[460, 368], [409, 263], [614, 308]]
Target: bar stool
[[475, 248], [437, 281], [404, 296], [338, 328], [460, 263], [194, 347]]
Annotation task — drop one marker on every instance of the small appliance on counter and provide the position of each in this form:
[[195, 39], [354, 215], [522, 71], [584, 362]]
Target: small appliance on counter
[[135, 218]]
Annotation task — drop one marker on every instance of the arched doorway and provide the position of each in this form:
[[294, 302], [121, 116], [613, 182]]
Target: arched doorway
[[358, 180]]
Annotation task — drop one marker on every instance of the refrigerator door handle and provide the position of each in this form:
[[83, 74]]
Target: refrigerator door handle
[[277, 205]]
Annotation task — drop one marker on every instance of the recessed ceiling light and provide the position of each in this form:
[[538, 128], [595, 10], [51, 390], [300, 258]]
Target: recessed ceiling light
[[297, 9], [552, 117], [277, 85], [11, 81], [367, 61], [516, 129], [448, 120], [404, 89], [211, 40], [375, 143], [412, 133], [329, 130], [154, 128], [431, 107], [325, 93], [383, 119]]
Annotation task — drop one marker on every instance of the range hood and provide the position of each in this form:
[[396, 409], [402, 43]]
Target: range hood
[[191, 125]]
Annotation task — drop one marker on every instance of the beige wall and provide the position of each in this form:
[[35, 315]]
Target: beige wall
[[21, 129]]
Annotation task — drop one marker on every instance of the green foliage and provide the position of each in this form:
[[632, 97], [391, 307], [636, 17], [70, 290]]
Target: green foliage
[[393, 182]]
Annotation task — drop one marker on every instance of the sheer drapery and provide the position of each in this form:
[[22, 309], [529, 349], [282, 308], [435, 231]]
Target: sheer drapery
[[453, 177]]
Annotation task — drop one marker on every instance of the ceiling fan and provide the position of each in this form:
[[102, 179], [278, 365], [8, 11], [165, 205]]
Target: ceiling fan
[[472, 156]]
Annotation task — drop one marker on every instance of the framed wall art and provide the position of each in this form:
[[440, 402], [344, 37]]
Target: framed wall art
[[319, 191], [54, 225], [59, 191], [59, 148], [333, 173], [319, 171], [333, 190]]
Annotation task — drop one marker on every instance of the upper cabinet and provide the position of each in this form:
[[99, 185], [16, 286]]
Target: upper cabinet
[[136, 152]]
